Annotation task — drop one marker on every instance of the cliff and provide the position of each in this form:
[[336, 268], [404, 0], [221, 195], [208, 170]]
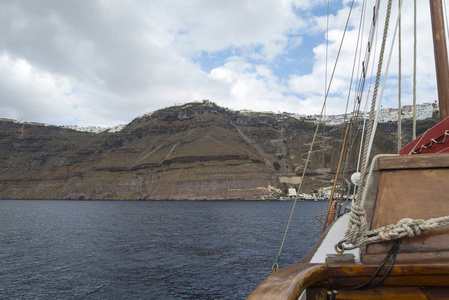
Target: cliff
[[194, 151]]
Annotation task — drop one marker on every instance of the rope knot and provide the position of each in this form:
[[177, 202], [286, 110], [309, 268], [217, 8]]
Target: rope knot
[[357, 224], [410, 226]]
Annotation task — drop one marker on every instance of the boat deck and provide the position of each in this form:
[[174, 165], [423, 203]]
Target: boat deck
[[333, 236]]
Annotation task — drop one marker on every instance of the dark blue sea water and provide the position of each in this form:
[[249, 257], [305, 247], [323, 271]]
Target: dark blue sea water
[[146, 250]]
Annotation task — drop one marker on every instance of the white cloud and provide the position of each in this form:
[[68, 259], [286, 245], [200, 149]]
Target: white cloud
[[247, 83], [104, 62], [312, 83], [25, 86], [216, 25]]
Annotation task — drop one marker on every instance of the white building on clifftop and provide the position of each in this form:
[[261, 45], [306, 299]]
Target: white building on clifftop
[[423, 111]]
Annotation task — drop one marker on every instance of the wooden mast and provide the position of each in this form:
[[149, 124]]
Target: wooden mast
[[441, 60]]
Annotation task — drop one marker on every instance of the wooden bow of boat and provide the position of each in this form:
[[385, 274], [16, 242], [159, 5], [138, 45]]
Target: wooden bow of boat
[[290, 282], [318, 281]]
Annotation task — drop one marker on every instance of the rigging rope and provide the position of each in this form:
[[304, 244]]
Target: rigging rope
[[359, 37], [357, 221], [414, 70], [365, 65], [365, 111], [365, 62], [357, 186], [275, 266], [325, 78], [399, 86], [379, 102], [351, 131]]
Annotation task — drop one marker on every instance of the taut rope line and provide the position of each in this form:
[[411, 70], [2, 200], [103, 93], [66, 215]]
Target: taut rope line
[[275, 266], [357, 221]]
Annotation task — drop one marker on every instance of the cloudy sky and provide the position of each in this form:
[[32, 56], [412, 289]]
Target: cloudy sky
[[104, 62]]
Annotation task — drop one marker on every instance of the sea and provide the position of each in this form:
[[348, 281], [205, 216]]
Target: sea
[[52, 249]]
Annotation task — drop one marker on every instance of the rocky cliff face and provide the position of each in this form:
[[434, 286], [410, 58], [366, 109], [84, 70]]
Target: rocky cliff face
[[194, 152], [190, 152]]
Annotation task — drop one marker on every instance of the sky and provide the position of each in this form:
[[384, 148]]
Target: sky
[[105, 62]]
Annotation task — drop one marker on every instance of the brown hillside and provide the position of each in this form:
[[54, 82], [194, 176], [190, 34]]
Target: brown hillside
[[194, 151]]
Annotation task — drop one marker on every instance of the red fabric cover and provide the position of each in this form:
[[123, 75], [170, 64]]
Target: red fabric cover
[[436, 133]]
